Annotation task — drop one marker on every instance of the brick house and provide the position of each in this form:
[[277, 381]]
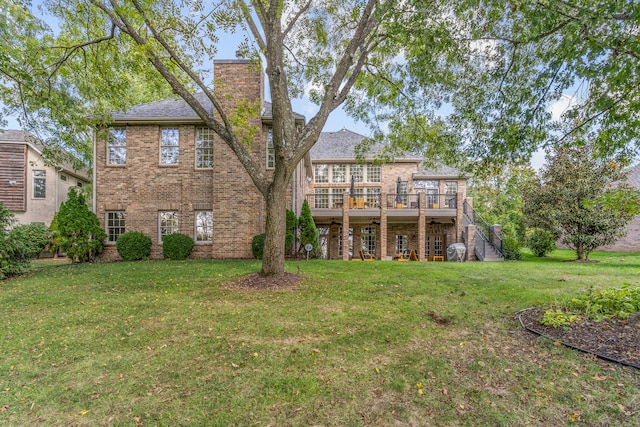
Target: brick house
[[384, 210], [158, 170], [31, 186], [631, 241]]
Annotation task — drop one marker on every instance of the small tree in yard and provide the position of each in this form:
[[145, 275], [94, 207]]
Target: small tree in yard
[[573, 199], [308, 230], [78, 229]]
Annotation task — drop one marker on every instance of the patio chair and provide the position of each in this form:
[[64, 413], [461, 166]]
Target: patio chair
[[367, 257], [413, 256], [359, 202]]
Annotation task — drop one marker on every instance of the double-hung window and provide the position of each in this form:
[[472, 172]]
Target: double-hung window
[[169, 146], [117, 146], [39, 184], [204, 148], [115, 225], [204, 226], [271, 152], [167, 223]]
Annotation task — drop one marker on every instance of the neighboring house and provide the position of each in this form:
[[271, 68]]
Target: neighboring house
[[631, 241], [31, 186], [159, 170]]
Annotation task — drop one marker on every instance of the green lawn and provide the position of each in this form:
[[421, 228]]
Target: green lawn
[[357, 344]]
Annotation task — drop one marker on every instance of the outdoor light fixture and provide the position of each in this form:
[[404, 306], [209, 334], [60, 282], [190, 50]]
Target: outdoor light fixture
[[13, 182]]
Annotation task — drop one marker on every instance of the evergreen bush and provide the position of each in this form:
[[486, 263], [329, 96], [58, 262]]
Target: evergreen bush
[[78, 229], [308, 230], [541, 242], [133, 246], [257, 246], [177, 246]]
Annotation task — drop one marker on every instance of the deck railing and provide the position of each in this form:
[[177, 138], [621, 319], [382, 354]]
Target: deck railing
[[373, 201]]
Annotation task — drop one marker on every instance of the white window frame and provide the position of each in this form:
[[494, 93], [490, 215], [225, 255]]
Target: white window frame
[[167, 223], [402, 243], [169, 146], [339, 174], [204, 148], [116, 225], [271, 151], [357, 172], [39, 176], [117, 147], [203, 228], [321, 198], [321, 173], [374, 173], [368, 239]]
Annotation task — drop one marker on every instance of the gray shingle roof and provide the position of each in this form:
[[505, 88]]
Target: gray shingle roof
[[176, 109], [340, 146]]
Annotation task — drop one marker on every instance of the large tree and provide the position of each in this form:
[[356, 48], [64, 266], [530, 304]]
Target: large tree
[[319, 48], [573, 198], [505, 72]]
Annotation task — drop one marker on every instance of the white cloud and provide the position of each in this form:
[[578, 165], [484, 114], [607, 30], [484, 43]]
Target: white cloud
[[564, 104]]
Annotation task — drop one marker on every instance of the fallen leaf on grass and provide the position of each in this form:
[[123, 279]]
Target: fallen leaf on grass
[[4, 408], [599, 378]]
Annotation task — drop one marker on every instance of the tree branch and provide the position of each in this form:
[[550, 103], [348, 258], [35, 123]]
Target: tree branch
[[297, 16], [71, 50]]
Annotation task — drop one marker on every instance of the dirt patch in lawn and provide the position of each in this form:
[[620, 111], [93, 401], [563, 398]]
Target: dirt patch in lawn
[[613, 339], [256, 282]]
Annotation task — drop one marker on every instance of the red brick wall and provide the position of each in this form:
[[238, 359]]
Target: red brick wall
[[142, 187]]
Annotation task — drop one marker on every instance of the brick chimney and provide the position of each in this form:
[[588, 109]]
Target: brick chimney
[[238, 79]]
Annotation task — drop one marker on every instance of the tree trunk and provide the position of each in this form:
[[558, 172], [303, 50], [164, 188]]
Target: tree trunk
[[579, 251], [275, 232]]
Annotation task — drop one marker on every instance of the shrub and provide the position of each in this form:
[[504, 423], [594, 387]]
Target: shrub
[[308, 230], [78, 229], [557, 318], [607, 303], [133, 246], [257, 246], [541, 242], [511, 247], [177, 246], [20, 244], [292, 223]]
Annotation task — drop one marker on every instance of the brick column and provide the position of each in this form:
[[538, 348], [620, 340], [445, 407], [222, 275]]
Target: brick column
[[383, 227], [471, 242], [496, 234], [459, 215], [345, 228], [422, 225]]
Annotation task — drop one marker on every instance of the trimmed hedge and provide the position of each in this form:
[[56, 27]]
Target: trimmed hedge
[[177, 246], [133, 246]]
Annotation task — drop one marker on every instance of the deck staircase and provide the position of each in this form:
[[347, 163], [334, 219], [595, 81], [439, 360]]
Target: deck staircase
[[488, 246]]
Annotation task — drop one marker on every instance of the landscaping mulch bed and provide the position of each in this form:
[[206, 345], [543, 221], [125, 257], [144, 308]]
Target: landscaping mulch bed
[[612, 339], [256, 282]]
